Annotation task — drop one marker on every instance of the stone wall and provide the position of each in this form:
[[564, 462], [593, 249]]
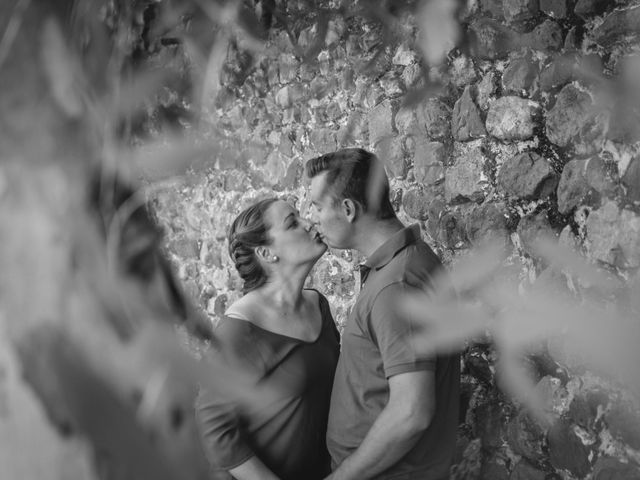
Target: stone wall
[[525, 133]]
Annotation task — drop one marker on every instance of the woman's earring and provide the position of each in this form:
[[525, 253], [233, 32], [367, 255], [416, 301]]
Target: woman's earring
[[275, 258]]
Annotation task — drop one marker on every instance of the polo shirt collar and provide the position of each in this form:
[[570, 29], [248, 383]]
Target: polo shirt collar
[[391, 247]]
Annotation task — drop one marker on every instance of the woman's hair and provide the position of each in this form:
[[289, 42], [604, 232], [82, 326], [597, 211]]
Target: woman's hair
[[248, 231]]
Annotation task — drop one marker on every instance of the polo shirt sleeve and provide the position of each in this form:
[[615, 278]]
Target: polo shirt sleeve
[[393, 333]]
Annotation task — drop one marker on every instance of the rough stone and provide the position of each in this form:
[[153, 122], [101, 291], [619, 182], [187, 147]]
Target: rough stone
[[574, 123], [185, 248], [477, 365], [526, 437], [608, 468], [584, 182], [532, 228], [527, 176], [566, 450], [372, 94], [546, 37], [466, 123], [464, 180], [494, 470], [293, 176], [602, 233], [306, 38], [549, 388], [319, 88], [486, 88], [521, 77], [624, 423], [435, 116], [391, 151], [273, 74], [631, 181], [450, 231], [283, 97], [462, 71], [391, 84], [525, 471], [486, 224], [288, 67], [406, 121], [322, 140], [619, 25], [629, 240], [347, 79], [381, 122], [415, 202], [491, 40], [404, 56], [518, 11], [614, 236], [274, 169], [412, 75], [490, 422], [335, 31], [588, 8], [568, 67], [624, 125], [493, 8], [581, 413], [435, 210], [333, 111], [429, 159], [555, 8], [355, 130], [512, 118], [602, 176]]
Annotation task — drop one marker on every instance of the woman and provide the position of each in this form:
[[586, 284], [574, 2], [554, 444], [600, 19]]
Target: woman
[[283, 337]]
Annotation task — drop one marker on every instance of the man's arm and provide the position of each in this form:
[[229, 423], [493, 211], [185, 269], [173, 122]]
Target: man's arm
[[252, 469], [396, 430]]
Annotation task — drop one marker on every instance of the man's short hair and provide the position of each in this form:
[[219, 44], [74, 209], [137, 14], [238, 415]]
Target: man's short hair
[[356, 174]]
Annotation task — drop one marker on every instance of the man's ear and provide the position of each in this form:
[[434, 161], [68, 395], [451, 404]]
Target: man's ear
[[350, 209]]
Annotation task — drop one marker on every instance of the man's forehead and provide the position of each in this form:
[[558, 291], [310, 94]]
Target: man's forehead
[[319, 187]]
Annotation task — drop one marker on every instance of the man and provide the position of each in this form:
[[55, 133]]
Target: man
[[394, 409]]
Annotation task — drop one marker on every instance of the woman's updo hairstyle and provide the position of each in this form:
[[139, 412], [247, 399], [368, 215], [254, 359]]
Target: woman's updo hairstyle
[[248, 231]]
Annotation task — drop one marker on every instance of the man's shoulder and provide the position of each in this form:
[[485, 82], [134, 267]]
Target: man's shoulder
[[414, 265]]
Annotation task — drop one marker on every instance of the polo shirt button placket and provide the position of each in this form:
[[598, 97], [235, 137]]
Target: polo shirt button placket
[[364, 273]]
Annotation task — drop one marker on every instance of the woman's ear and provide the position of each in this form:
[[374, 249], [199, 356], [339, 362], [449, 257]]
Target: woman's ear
[[263, 253], [350, 209]]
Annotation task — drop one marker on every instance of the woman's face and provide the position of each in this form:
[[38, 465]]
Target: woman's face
[[292, 238]]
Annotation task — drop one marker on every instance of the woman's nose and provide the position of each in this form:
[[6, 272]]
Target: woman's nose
[[306, 224]]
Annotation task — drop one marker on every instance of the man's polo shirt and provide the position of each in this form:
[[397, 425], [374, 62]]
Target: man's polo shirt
[[376, 345]]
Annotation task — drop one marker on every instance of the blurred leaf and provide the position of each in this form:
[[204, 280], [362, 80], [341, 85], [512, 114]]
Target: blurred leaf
[[517, 381], [61, 69], [444, 325], [169, 157], [419, 95], [10, 29], [134, 92], [477, 268], [562, 257], [439, 29], [318, 42]]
